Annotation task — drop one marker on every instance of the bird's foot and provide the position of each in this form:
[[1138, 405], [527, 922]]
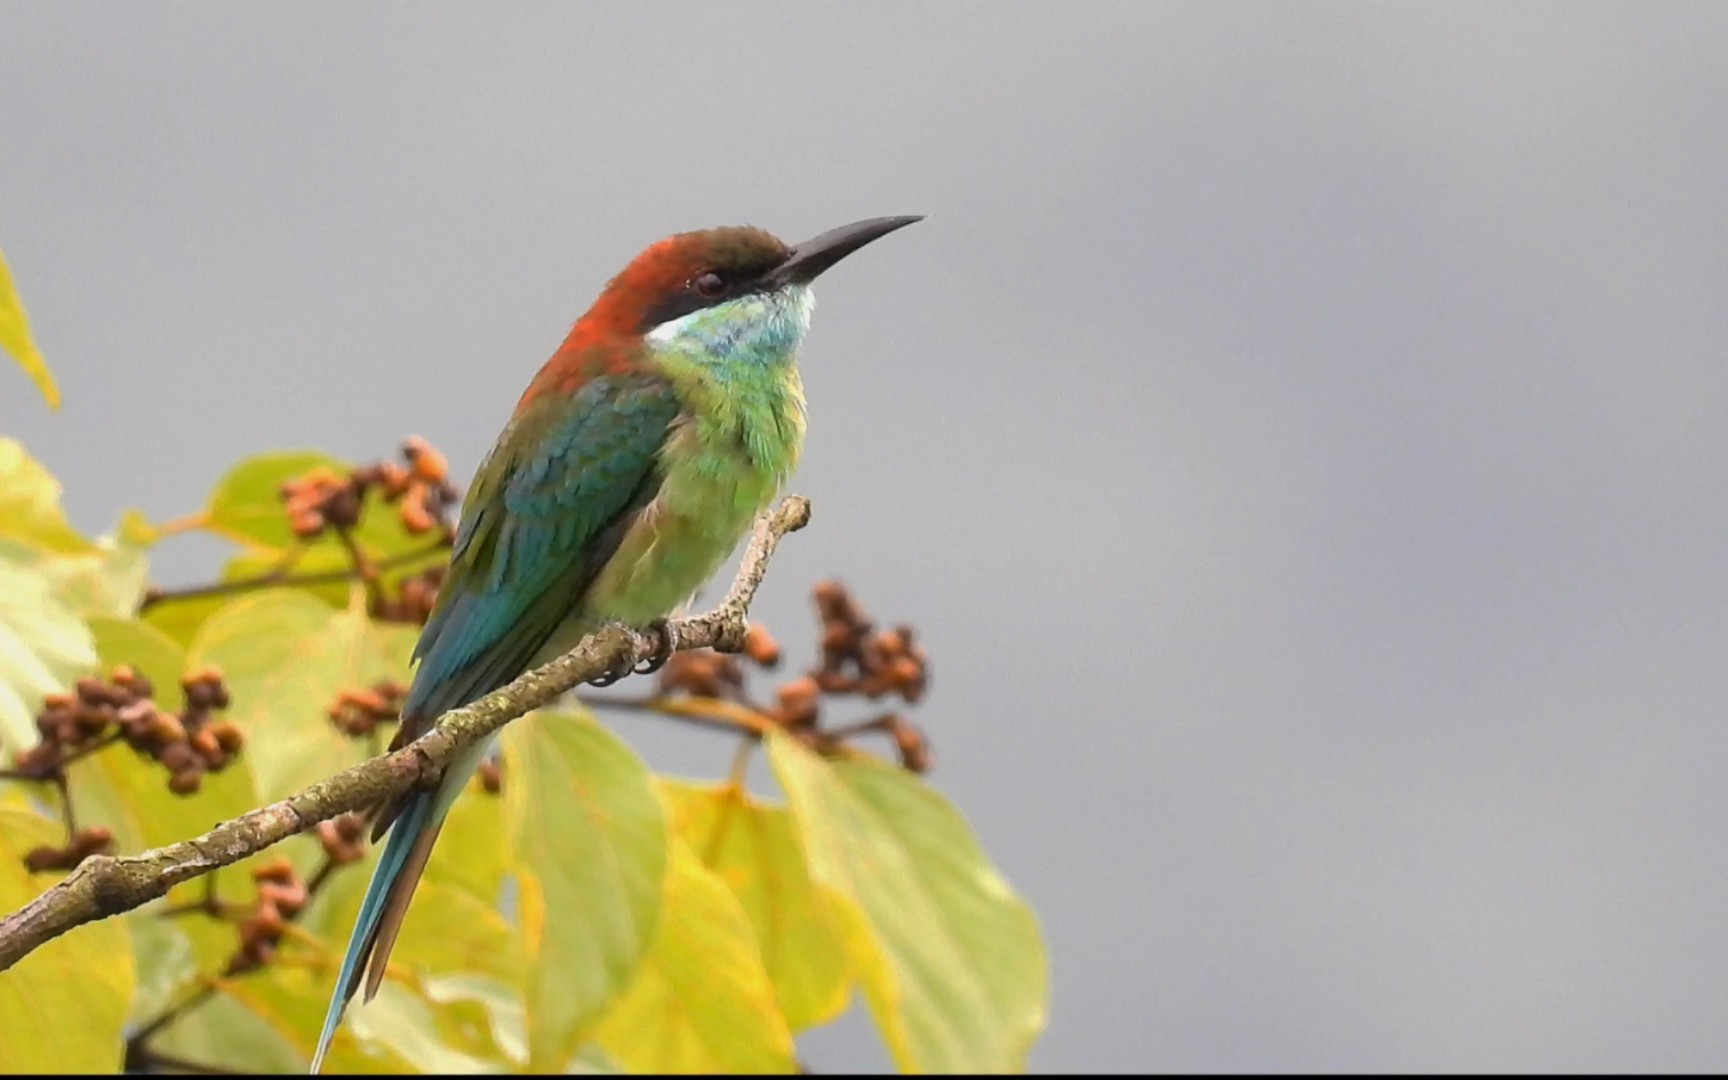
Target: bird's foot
[[662, 631]]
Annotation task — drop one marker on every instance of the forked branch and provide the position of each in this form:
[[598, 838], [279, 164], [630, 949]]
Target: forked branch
[[103, 885]]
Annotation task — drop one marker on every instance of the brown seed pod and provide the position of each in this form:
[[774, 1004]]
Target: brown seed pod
[[178, 756], [228, 736], [798, 702], [492, 776], [760, 646], [281, 871], [417, 518], [204, 742], [427, 463]]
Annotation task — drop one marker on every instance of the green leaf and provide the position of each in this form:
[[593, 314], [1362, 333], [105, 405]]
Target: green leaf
[[268, 1021], [469, 854], [166, 963], [951, 959], [754, 850], [247, 504], [181, 617], [447, 931], [30, 503], [701, 1001], [588, 840], [481, 1013], [285, 656], [15, 338], [63, 1007], [224, 1035], [403, 1021], [44, 646]]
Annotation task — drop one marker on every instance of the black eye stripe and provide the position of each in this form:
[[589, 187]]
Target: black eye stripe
[[691, 298]]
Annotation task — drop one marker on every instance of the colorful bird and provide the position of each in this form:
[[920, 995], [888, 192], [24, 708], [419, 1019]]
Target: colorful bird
[[634, 462]]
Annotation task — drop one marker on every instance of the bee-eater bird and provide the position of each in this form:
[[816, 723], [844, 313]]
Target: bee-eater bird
[[634, 462]]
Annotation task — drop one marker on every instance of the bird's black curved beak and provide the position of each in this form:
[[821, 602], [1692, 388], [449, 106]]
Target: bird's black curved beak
[[819, 253]]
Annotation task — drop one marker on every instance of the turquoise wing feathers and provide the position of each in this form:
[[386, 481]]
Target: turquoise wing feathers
[[545, 514]]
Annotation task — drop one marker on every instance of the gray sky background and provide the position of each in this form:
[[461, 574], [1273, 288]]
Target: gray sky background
[[1297, 429]]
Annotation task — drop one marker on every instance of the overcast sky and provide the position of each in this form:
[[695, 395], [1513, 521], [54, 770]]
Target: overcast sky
[[1297, 430]]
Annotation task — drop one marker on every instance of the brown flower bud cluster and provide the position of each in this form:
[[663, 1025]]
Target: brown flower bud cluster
[[856, 658], [414, 600], [703, 673], [281, 895], [419, 488], [85, 842], [320, 499], [706, 673], [344, 838], [859, 659], [358, 712], [188, 743]]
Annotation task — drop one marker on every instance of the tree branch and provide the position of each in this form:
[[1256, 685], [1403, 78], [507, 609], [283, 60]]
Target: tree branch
[[104, 885]]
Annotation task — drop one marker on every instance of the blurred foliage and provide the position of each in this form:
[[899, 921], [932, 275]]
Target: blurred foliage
[[579, 913], [15, 338]]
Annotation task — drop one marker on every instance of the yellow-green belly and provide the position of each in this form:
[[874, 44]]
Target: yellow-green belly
[[707, 502]]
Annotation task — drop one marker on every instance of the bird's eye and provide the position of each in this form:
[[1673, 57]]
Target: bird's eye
[[710, 285]]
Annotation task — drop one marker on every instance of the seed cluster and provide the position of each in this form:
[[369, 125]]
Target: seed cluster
[[856, 658], [419, 488], [414, 599], [188, 743], [358, 712], [344, 838], [281, 895]]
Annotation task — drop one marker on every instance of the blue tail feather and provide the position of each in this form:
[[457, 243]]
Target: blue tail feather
[[396, 850]]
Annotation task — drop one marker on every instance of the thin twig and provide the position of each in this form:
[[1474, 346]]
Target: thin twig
[[363, 569], [280, 576], [102, 885], [147, 1060], [716, 713], [56, 771], [169, 1015]]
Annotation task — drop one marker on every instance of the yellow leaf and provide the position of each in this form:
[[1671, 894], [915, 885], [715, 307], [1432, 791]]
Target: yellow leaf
[[588, 840], [107, 579], [470, 854], [63, 1007], [44, 645], [30, 503], [447, 932], [752, 847], [951, 960], [701, 1001], [16, 339], [285, 655]]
